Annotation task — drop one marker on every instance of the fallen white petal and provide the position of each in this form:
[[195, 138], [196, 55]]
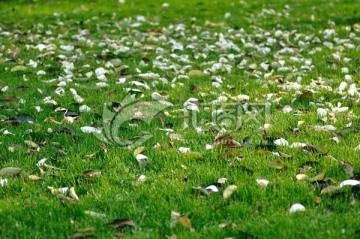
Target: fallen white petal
[[281, 142], [141, 157], [213, 188], [349, 182], [3, 182], [262, 182], [89, 130], [324, 128], [41, 162], [297, 208], [184, 150]]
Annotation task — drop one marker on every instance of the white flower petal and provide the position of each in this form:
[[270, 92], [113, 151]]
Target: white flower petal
[[297, 208], [349, 182]]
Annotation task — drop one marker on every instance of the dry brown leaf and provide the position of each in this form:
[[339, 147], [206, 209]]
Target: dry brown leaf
[[317, 199], [66, 199], [277, 164], [34, 177], [185, 222], [330, 189]]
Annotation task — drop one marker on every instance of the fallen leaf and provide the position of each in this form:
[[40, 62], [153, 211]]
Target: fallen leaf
[[301, 177], [92, 173], [297, 208], [66, 199], [229, 191], [121, 223], [261, 151], [317, 177], [19, 68], [73, 194], [34, 177], [31, 144], [349, 182], [317, 199], [139, 150], [174, 218], [348, 168], [226, 141], [185, 222], [10, 171], [284, 155], [330, 189], [262, 182], [196, 73], [83, 233], [89, 130], [277, 164]]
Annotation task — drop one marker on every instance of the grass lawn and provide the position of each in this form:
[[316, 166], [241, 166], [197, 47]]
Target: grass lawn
[[252, 108]]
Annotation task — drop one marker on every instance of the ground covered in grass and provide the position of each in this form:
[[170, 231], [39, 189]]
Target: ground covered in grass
[[179, 119]]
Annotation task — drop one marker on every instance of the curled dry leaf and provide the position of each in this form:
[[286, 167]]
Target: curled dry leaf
[[34, 177], [66, 199], [330, 189], [348, 168], [139, 150], [284, 155], [73, 194], [83, 233], [317, 199], [225, 141], [185, 222], [318, 177], [92, 173], [121, 223], [31, 144], [10, 171], [277, 164], [229, 191]]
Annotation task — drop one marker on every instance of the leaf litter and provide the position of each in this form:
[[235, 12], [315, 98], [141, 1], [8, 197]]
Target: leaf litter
[[282, 68]]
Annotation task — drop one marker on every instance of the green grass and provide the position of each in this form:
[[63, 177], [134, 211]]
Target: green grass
[[29, 210]]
